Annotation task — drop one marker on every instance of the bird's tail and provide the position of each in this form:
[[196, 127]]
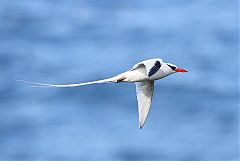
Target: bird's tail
[[37, 84]]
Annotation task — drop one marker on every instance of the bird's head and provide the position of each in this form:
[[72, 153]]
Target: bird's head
[[171, 68]]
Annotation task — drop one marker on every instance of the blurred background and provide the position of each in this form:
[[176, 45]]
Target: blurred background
[[194, 116]]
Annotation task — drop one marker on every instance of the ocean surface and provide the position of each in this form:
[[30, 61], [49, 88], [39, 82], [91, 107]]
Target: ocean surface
[[194, 116]]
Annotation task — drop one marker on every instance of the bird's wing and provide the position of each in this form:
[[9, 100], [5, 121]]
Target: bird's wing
[[138, 66], [151, 66], [36, 84], [155, 67], [144, 96]]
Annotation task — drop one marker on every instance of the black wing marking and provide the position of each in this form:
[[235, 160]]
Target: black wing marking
[[154, 69]]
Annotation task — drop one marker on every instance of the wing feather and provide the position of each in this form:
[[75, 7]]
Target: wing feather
[[154, 69], [144, 96], [151, 66]]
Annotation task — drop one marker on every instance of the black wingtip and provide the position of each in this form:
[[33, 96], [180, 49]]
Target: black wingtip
[[140, 126]]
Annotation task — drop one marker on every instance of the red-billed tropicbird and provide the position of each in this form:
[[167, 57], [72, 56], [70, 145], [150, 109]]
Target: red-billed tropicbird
[[143, 74]]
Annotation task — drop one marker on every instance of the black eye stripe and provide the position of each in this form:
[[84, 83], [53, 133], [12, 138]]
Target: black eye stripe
[[172, 67]]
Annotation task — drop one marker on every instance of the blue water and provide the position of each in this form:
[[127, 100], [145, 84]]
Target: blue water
[[194, 116]]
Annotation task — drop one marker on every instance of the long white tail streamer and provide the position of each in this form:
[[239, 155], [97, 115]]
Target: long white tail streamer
[[37, 84]]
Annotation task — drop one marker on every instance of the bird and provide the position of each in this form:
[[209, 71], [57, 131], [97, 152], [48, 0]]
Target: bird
[[143, 74]]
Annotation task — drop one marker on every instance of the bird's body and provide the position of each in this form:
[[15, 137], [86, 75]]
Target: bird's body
[[143, 74], [140, 71]]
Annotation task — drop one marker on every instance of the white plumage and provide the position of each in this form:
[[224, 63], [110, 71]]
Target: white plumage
[[144, 96], [143, 74]]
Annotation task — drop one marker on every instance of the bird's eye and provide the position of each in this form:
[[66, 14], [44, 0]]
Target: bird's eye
[[172, 67]]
